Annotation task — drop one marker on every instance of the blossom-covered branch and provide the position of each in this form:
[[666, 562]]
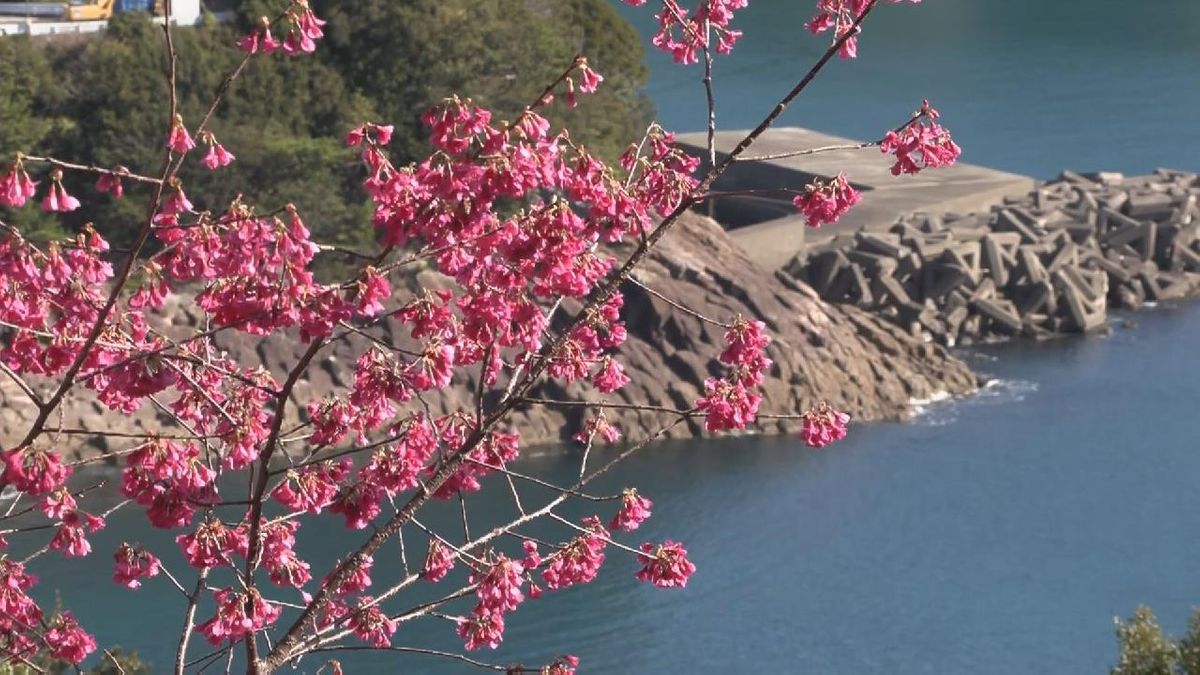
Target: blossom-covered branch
[[531, 239]]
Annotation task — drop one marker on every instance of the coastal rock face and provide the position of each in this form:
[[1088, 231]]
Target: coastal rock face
[[857, 362]]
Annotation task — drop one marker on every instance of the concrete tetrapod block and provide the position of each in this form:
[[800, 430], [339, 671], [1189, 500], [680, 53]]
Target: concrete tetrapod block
[[998, 313], [994, 261], [873, 262], [1083, 320], [882, 244], [1030, 265], [1153, 205], [1007, 221], [895, 290], [1068, 254]]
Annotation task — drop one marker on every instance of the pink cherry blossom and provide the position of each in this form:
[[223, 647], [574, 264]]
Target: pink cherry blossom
[[372, 626], [373, 289], [579, 561], [359, 503], [823, 425], [826, 201], [589, 80], [482, 628], [312, 488], [239, 614], [37, 472], [685, 34], [598, 428], [921, 144], [357, 578], [134, 564], [564, 665], [217, 156], [71, 536], [57, 200], [16, 187], [212, 544], [635, 509], [727, 405], [179, 141], [840, 15], [67, 641], [439, 560], [499, 588], [16, 607], [110, 183], [284, 567], [665, 565], [610, 376]]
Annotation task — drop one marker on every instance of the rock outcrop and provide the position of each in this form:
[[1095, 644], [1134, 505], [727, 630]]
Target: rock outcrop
[[859, 363]]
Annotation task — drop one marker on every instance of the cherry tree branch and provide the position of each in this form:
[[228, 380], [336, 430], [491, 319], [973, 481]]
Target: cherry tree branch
[[92, 168], [285, 649]]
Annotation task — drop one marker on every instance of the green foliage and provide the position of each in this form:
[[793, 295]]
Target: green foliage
[[105, 100], [31, 101], [126, 663], [406, 55], [29, 96], [284, 122], [1146, 650]]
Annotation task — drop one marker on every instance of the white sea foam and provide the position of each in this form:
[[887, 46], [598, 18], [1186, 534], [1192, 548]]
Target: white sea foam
[[936, 397], [942, 409]]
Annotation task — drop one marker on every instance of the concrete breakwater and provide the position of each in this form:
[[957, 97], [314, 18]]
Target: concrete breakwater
[[1048, 263]]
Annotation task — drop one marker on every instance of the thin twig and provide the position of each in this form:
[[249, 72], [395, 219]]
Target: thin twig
[[676, 305]]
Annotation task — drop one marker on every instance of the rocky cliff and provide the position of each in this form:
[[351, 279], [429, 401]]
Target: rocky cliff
[[860, 364]]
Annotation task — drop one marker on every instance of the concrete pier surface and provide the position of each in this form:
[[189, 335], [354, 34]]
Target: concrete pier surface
[[771, 231]]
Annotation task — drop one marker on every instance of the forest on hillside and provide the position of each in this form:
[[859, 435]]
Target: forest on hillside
[[103, 100]]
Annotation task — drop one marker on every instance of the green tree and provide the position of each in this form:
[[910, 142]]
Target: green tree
[[31, 99], [285, 127], [104, 100], [407, 55], [1146, 650], [30, 96], [120, 663]]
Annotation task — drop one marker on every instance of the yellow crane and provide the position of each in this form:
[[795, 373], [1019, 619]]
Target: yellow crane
[[90, 10], [78, 10]]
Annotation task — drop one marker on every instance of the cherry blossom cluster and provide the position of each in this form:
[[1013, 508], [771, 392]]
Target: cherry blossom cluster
[[840, 16], [589, 81], [216, 156], [239, 614], [665, 565], [17, 188], [683, 34], [598, 427], [826, 201], [439, 560], [731, 402], [24, 632], [635, 509], [823, 425], [921, 144], [303, 28], [579, 561], [133, 564]]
